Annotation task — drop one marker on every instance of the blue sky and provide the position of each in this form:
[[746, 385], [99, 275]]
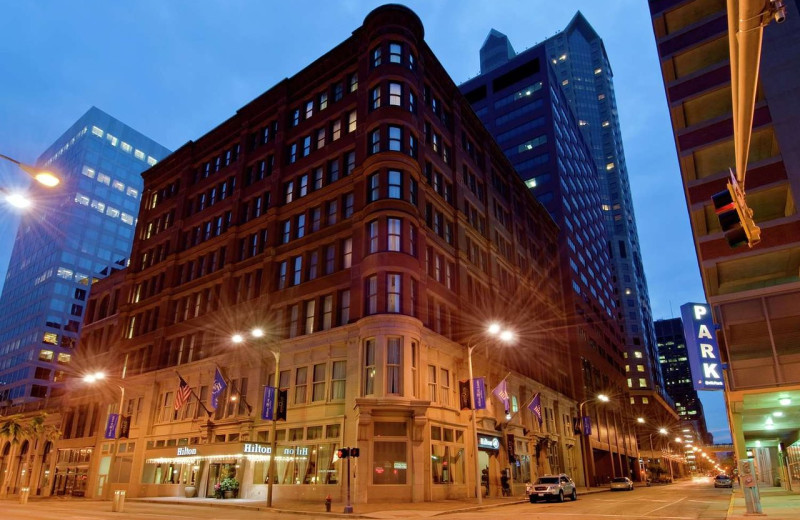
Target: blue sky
[[174, 70]]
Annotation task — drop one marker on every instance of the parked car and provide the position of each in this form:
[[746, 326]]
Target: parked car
[[723, 481], [621, 484], [553, 487]]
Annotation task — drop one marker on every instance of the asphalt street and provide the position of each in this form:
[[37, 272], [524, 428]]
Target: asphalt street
[[681, 501]]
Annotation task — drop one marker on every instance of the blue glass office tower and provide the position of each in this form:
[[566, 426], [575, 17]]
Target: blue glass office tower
[[581, 66], [522, 105], [75, 234]]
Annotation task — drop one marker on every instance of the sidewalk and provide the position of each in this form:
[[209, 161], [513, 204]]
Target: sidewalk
[[377, 510], [776, 503]]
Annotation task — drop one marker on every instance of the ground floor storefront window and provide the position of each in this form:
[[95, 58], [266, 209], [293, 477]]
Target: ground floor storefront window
[[301, 464], [390, 454], [447, 455]]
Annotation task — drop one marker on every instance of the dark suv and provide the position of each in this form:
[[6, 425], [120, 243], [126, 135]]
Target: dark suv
[[553, 487]]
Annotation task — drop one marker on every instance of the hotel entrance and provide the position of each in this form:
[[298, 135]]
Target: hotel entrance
[[218, 471]]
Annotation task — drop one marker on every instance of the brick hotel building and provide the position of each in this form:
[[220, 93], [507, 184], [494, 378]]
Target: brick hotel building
[[361, 215]]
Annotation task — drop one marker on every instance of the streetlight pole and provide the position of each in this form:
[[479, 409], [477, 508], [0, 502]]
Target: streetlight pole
[[43, 177], [496, 330], [587, 446], [276, 353]]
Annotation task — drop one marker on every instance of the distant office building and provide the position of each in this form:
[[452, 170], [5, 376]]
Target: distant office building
[[677, 375], [521, 102], [754, 292], [75, 234]]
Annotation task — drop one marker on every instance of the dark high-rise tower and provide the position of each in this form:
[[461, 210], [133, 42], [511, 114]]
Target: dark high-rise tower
[[80, 232], [522, 104], [678, 376]]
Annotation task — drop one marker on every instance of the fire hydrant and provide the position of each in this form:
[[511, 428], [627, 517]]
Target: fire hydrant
[[328, 503]]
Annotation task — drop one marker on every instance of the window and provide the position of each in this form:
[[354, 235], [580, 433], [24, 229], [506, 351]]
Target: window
[[375, 98], [310, 311], [303, 185], [395, 94], [297, 270], [306, 146], [286, 236], [294, 315], [327, 312], [372, 233], [349, 163], [432, 384], [393, 293], [300, 230], [344, 307], [372, 295], [395, 184], [296, 117], [323, 101], [376, 56], [351, 121], [333, 210], [330, 255], [282, 275], [394, 365], [394, 226], [369, 367], [300, 385], [395, 53], [336, 130], [316, 218], [347, 253], [374, 188], [320, 138], [353, 82], [318, 390], [375, 141], [288, 192], [444, 386], [395, 138], [338, 92], [338, 380]]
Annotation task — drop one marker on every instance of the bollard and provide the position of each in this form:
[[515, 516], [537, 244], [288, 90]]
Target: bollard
[[24, 493], [328, 504], [118, 502]]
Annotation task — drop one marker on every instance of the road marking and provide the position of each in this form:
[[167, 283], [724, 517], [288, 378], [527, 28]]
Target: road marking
[[662, 507]]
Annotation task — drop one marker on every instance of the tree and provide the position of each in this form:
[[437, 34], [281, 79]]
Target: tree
[[19, 427]]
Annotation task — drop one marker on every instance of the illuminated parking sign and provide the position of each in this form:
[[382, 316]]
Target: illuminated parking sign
[[701, 346]]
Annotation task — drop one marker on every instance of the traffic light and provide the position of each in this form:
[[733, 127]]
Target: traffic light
[[343, 453], [354, 452], [735, 217]]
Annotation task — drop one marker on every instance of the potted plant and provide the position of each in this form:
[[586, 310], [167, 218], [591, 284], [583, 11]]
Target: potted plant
[[229, 487], [217, 490]]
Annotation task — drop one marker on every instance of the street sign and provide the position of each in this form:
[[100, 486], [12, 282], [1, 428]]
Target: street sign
[[701, 346]]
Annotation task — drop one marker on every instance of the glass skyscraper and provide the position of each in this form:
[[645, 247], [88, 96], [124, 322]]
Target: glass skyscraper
[[75, 234]]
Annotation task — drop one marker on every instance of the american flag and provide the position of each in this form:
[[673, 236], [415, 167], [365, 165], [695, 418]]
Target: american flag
[[183, 394]]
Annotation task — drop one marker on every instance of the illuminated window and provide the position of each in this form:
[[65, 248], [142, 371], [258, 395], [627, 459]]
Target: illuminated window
[[89, 172], [132, 192], [151, 160], [96, 131], [128, 219], [563, 57], [565, 82], [627, 368], [112, 140], [118, 186], [99, 206], [610, 166], [637, 354], [601, 97], [105, 179], [530, 183], [606, 207], [598, 70], [64, 358], [630, 383], [126, 147], [50, 338], [45, 355], [645, 400], [642, 382], [605, 124], [640, 368], [112, 212], [83, 200], [139, 154]]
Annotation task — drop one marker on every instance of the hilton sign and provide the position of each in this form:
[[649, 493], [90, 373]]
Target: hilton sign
[[701, 347], [182, 452]]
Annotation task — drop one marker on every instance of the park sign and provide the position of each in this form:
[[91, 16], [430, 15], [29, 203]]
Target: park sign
[[701, 346]]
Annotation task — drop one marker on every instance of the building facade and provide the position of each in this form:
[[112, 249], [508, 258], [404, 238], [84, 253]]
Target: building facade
[[522, 104], [754, 291], [360, 214], [678, 376], [76, 234]]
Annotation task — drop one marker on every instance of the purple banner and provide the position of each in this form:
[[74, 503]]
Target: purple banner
[[587, 425], [111, 426], [479, 390], [268, 406]]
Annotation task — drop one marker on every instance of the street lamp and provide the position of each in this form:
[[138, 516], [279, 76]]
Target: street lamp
[[100, 376], [43, 177], [258, 333], [586, 441], [505, 335]]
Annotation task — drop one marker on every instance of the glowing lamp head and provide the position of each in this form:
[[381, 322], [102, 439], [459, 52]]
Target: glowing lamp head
[[47, 179], [603, 397], [237, 338], [493, 328], [257, 333]]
